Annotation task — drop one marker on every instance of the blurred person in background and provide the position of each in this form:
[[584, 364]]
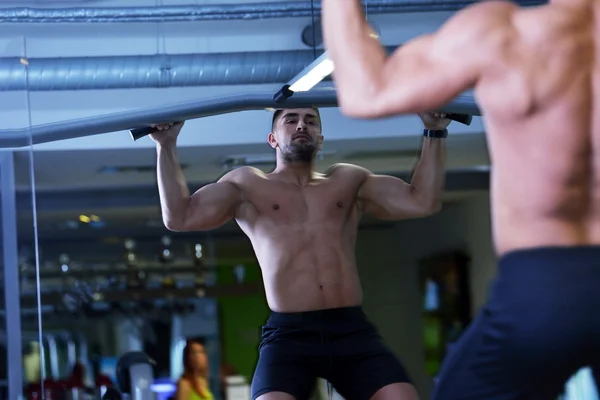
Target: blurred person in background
[[193, 384]]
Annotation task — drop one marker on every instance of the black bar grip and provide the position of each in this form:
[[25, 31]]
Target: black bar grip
[[138, 133], [462, 118]]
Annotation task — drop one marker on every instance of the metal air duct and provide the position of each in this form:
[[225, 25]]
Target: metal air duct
[[152, 71], [219, 12]]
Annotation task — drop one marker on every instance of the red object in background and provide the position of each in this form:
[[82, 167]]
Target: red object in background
[[103, 380], [32, 391], [49, 389], [77, 376], [62, 384]]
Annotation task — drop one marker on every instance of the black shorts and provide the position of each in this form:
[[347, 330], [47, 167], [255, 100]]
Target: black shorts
[[540, 325], [339, 345]]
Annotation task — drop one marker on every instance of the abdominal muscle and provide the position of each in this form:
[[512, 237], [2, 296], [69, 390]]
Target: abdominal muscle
[[304, 271]]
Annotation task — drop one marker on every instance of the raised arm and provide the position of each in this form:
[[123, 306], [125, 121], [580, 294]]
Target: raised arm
[[425, 73], [391, 198], [208, 208]]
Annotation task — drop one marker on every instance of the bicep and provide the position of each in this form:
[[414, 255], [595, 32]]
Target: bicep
[[415, 78], [212, 206], [431, 73], [388, 197], [431, 70]]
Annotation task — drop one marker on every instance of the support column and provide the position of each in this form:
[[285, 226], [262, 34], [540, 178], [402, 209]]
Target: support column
[[12, 299]]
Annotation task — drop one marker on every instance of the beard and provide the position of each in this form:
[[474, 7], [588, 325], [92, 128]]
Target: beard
[[303, 152]]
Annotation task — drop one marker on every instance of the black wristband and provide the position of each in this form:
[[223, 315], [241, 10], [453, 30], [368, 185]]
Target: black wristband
[[438, 134]]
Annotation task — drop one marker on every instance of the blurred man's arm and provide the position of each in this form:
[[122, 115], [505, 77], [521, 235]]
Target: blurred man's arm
[[424, 74]]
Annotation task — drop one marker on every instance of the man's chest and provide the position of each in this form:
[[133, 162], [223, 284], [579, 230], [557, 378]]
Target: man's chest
[[325, 200]]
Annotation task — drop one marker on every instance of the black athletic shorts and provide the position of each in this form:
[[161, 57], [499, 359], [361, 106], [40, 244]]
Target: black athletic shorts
[[339, 345], [540, 325]]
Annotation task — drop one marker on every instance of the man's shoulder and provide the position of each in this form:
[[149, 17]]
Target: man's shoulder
[[242, 175], [486, 22], [350, 171], [347, 169], [492, 10], [493, 5], [183, 383]]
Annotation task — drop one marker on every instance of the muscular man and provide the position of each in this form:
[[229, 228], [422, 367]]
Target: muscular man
[[303, 227], [536, 77]]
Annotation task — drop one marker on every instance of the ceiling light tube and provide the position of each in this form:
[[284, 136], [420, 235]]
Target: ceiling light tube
[[318, 70], [310, 76]]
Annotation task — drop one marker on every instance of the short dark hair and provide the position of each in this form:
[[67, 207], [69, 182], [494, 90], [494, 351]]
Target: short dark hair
[[280, 111]]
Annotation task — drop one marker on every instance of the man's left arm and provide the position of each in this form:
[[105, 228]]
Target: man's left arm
[[424, 74], [391, 198]]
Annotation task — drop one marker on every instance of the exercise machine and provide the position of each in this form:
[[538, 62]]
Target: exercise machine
[[135, 374]]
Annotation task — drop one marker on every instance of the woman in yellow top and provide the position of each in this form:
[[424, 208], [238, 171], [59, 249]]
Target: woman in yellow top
[[193, 384]]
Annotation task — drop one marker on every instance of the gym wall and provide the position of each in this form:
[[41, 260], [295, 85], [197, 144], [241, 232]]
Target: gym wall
[[388, 265]]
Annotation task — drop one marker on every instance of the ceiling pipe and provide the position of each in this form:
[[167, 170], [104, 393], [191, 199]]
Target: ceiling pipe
[[324, 96], [218, 12], [152, 71]]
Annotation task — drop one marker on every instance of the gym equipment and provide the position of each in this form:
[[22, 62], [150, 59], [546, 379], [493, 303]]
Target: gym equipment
[[135, 374], [465, 119], [317, 97], [112, 394], [138, 133]]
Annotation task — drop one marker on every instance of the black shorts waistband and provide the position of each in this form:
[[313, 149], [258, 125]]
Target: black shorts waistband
[[330, 315], [550, 253], [539, 260]]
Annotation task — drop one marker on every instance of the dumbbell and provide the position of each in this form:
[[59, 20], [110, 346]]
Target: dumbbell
[[135, 374]]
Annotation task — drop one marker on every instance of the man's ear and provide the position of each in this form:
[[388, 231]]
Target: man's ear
[[320, 142], [272, 140]]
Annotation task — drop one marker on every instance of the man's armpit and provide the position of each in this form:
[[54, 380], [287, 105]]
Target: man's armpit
[[360, 204]]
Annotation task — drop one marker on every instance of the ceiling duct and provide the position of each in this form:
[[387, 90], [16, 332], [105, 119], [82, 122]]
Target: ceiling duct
[[219, 12], [152, 71]]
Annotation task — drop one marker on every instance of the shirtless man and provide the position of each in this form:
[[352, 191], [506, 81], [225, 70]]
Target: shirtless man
[[536, 79], [303, 227]]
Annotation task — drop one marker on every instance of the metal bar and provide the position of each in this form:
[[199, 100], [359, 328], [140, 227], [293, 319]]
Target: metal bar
[[11, 276], [151, 294], [219, 12], [324, 96], [53, 352], [90, 273]]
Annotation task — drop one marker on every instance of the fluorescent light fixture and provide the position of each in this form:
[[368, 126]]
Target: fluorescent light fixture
[[313, 74], [310, 76]]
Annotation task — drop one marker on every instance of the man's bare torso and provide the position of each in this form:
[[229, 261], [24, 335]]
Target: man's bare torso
[[538, 95], [303, 237]]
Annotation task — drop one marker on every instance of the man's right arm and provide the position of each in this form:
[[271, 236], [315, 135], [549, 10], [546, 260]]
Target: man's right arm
[[208, 208], [423, 74]]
